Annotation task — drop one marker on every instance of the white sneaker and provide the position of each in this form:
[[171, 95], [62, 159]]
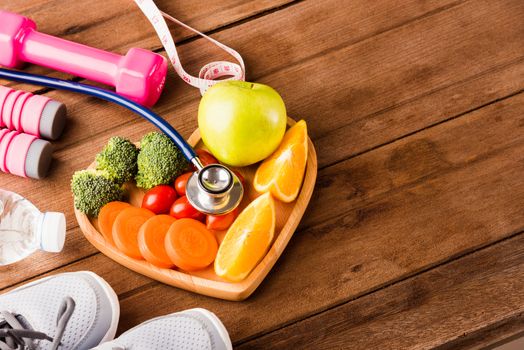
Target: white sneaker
[[195, 329], [72, 310]]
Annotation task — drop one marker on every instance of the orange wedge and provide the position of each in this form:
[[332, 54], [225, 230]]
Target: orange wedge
[[283, 171], [247, 240]]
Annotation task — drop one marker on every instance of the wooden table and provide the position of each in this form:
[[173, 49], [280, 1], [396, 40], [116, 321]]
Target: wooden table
[[415, 236]]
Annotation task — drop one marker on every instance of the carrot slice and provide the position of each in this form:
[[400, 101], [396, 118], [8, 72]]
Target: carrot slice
[[190, 245], [151, 238], [126, 227], [107, 217]]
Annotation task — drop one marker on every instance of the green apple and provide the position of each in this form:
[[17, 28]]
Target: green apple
[[241, 123]]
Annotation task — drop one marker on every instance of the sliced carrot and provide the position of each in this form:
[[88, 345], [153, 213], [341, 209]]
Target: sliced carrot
[[151, 238], [126, 227], [190, 245], [107, 217]]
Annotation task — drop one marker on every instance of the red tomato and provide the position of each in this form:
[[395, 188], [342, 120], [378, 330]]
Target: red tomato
[[180, 183], [221, 222], [183, 209], [205, 157], [159, 199]]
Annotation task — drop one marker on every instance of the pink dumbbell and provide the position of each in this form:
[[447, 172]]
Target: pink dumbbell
[[24, 155], [140, 75], [32, 114]]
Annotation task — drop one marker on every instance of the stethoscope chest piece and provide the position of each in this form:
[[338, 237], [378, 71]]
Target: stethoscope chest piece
[[214, 189]]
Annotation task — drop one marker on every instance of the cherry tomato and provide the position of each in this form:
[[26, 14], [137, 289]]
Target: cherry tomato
[[159, 199], [181, 182], [205, 157], [221, 222], [183, 209]]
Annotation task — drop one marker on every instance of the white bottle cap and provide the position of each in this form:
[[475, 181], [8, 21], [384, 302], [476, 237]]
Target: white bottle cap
[[53, 231]]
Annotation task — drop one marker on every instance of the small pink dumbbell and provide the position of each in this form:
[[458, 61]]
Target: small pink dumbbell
[[32, 114], [140, 75], [24, 155]]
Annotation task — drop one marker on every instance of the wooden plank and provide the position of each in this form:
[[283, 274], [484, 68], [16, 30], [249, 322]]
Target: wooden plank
[[399, 66], [469, 295], [467, 171], [422, 112], [89, 117], [325, 227], [110, 115], [407, 116], [501, 333], [260, 53], [122, 280], [389, 237], [451, 146], [364, 177], [121, 25], [380, 122], [76, 246]]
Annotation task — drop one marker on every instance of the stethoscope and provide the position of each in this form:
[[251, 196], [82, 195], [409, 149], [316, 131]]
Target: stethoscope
[[212, 189]]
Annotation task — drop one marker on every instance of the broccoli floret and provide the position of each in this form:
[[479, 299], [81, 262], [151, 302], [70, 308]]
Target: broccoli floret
[[92, 189], [159, 161], [118, 158]]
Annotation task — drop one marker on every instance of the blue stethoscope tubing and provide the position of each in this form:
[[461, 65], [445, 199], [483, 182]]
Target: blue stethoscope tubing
[[107, 95]]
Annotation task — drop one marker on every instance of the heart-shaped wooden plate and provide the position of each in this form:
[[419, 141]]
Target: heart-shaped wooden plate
[[288, 216]]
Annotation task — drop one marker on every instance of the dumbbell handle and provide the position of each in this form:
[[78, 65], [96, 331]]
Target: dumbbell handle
[[68, 56], [139, 75]]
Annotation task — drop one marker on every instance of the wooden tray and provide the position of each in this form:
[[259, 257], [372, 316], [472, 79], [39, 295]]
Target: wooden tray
[[288, 216]]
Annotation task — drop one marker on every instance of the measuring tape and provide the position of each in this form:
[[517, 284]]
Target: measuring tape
[[210, 72]]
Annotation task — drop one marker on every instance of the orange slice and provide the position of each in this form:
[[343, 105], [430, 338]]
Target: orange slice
[[247, 240], [283, 171]]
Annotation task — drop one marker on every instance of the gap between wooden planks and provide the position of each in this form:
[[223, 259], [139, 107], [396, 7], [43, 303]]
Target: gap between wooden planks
[[369, 121], [121, 25], [102, 122], [81, 154], [105, 112], [403, 113], [446, 307], [473, 182], [432, 216], [250, 36]]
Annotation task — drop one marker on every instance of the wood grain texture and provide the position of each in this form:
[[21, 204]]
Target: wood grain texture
[[424, 312], [89, 117], [472, 160], [180, 110], [491, 336], [121, 25], [261, 57], [430, 219], [416, 111]]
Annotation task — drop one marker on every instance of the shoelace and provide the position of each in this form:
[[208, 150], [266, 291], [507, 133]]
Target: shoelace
[[13, 336]]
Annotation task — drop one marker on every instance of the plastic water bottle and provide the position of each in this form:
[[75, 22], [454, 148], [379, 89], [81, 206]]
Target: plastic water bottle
[[24, 229]]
